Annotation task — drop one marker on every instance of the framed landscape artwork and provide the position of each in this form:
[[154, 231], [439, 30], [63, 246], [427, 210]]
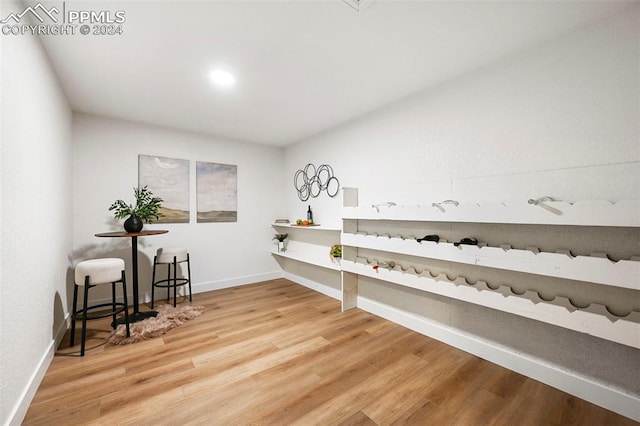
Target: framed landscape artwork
[[217, 189], [167, 178]]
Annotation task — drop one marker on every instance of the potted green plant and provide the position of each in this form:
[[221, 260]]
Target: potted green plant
[[280, 238], [335, 253], [147, 209]]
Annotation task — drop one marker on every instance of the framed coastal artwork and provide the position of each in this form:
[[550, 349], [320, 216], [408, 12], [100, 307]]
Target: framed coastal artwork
[[167, 178], [217, 192]]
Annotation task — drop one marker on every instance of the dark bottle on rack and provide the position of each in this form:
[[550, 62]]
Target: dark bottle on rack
[[309, 215]]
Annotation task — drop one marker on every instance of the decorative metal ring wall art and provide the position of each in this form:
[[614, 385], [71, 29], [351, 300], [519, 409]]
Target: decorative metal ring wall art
[[311, 181]]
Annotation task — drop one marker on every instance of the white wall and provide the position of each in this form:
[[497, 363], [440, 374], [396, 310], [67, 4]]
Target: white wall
[[36, 218], [562, 120], [105, 168]]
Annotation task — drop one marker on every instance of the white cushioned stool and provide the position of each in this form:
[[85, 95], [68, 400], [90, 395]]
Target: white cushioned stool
[[92, 273], [171, 256]]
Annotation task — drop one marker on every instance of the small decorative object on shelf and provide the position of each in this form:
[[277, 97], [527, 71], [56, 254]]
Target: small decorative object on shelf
[[335, 253], [280, 238], [466, 242], [434, 238], [281, 221], [391, 264], [300, 222], [146, 209]]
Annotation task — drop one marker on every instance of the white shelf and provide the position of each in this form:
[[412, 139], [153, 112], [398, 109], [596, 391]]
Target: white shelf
[[594, 320], [306, 258], [309, 227], [624, 273], [312, 248], [604, 312], [624, 213]]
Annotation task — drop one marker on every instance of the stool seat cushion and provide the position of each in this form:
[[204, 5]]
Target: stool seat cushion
[[166, 254], [100, 271]]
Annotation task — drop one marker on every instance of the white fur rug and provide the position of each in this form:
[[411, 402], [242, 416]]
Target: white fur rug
[[168, 318]]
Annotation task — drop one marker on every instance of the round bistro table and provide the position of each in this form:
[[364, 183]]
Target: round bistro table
[[137, 315]]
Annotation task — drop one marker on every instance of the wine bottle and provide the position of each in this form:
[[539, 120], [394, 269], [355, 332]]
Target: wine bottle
[[309, 215]]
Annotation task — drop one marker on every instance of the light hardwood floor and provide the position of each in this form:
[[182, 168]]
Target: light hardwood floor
[[277, 353]]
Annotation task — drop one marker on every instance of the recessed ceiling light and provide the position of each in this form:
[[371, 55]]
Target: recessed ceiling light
[[222, 78]]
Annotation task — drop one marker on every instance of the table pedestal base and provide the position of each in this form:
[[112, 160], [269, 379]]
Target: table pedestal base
[[137, 316]]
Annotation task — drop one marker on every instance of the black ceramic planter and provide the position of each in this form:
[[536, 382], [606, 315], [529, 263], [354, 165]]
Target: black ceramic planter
[[133, 224]]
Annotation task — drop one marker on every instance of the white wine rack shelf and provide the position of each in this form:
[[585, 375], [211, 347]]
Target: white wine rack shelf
[[594, 319]]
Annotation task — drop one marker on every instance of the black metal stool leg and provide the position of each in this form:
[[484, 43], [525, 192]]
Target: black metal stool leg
[[153, 280], [168, 281], [189, 276], [74, 313], [84, 315], [175, 280], [126, 304], [113, 305]]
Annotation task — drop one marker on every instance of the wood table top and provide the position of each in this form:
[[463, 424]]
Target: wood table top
[[132, 234]]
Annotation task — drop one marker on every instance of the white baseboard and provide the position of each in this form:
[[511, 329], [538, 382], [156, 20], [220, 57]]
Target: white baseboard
[[314, 285], [22, 406], [596, 393], [234, 282], [145, 297]]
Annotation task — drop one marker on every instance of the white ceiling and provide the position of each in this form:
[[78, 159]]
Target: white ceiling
[[302, 67]]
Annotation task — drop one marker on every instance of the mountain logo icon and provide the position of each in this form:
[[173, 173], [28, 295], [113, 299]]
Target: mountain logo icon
[[38, 11]]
